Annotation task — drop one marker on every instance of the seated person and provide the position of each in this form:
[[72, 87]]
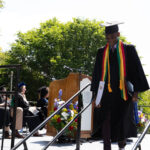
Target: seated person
[[43, 101], [19, 113], [19, 120], [2, 114], [32, 120]]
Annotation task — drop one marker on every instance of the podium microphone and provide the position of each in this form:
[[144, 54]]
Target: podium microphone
[[66, 67]]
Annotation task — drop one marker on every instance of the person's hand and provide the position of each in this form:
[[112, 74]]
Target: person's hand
[[135, 97], [98, 106]]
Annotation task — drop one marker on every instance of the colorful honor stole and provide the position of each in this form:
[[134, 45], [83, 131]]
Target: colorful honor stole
[[122, 68]]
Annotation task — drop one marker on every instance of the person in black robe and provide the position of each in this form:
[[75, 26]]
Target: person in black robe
[[114, 115], [42, 103]]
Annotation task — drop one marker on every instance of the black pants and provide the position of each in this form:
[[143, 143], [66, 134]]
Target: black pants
[[106, 133], [32, 121], [2, 116]]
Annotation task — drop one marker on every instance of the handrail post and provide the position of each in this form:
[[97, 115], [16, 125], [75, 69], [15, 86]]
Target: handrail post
[[25, 145], [79, 123], [4, 121], [139, 146], [15, 107]]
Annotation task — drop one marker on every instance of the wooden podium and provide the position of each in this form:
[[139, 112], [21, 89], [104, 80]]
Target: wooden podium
[[71, 85]]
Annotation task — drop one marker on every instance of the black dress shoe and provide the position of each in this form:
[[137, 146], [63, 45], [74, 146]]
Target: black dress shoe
[[6, 135]]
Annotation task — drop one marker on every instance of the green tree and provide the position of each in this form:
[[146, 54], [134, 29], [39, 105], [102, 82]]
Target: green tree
[[44, 51], [3, 72], [144, 101], [3, 56], [1, 3]]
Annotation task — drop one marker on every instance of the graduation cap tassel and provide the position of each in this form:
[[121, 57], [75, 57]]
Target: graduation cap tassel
[[109, 88]]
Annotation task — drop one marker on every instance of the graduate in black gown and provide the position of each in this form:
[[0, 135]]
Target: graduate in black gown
[[116, 64]]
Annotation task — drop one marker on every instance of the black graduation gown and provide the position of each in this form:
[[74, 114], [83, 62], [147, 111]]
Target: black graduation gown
[[122, 121]]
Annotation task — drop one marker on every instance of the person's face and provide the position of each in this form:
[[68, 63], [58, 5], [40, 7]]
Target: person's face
[[23, 89], [112, 38]]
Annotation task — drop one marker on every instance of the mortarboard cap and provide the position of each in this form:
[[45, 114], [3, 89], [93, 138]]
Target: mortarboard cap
[[111, 27], [21, 84]]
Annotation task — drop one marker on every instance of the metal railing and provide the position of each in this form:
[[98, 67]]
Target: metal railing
[[52, 115], [138, 142], [63, 130], [17, 67]]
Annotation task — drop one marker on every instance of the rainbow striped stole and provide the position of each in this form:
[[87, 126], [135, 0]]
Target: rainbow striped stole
[[122, 68]]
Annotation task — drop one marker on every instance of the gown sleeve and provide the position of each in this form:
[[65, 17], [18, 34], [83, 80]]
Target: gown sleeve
[[135, 72], [97, 71]]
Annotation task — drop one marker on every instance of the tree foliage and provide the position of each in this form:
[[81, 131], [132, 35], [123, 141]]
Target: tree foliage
[[145, 101], [3, 57], [4, 79], [1, 3], [44, 51]]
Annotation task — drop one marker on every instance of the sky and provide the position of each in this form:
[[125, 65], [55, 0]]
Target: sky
[[24, 15]]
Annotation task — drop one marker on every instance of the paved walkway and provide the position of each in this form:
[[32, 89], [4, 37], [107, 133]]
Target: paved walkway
[[37, 143]]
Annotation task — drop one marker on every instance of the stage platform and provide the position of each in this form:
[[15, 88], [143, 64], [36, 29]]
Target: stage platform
[[37, 143]]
